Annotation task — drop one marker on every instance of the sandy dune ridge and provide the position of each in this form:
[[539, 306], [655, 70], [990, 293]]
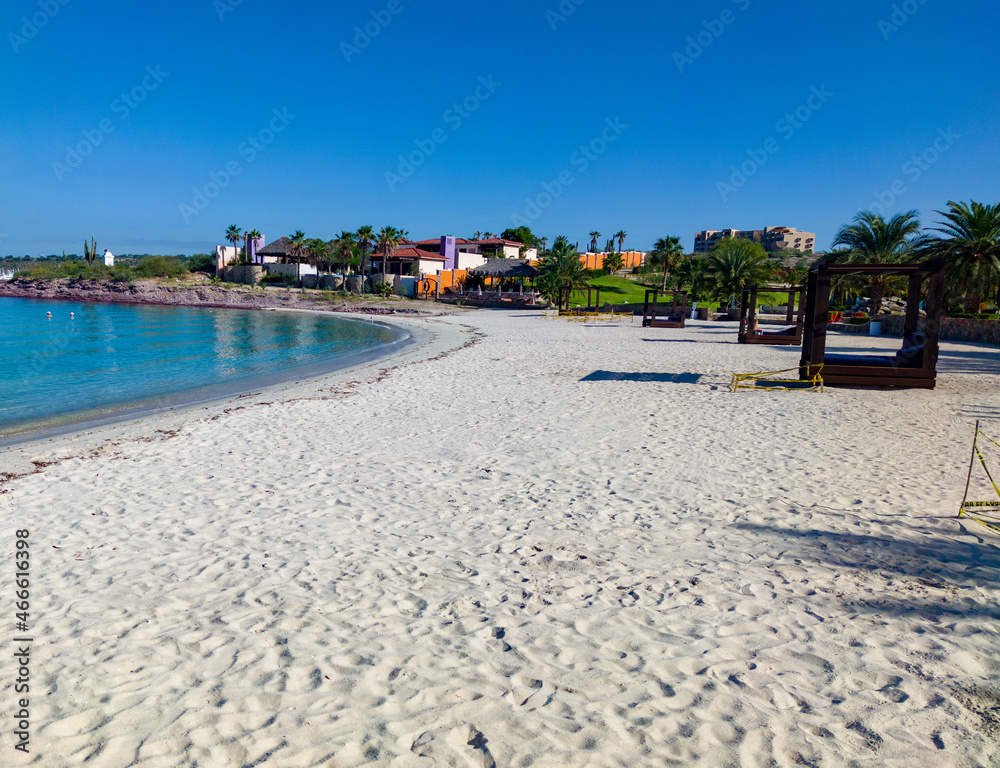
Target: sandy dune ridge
[[565, 545]]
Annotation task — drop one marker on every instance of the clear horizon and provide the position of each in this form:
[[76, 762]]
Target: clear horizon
[[154, 131]]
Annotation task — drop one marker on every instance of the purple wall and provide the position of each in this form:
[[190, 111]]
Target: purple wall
[[252, 246], [448, 251]]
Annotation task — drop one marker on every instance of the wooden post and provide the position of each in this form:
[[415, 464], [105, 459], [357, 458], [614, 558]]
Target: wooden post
[[912, 304], [934, 309], [791, 307], [813, 338]]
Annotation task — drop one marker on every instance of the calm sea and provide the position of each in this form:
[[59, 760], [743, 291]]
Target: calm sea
[[105, 360]]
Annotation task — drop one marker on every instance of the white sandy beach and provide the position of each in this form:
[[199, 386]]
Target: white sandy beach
[[564, 545]]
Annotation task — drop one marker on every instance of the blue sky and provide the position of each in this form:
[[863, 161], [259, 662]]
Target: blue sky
[[156, 126]]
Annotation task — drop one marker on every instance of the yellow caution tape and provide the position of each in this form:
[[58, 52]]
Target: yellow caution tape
[[814, 382], [992, 521]]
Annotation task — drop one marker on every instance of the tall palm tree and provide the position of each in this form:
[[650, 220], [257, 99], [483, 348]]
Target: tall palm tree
[[593, 240], [250, 237], [669, 251], [621, 234], [297, 248], [873, 240], [234, 235], [969, 243], [558, 268], [734, 263], [346, 248], [366, 239], [388, 238], [316, 253]]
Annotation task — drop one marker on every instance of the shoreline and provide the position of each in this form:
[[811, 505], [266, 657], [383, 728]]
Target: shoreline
[[213, 295], [94, 418], [24, 455]]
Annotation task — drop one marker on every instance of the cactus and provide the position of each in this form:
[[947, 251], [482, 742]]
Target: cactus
[[90, 250]]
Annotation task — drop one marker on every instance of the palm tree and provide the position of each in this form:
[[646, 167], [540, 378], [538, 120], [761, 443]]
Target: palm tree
[[593, 241], [613, 262], [970, 247], [296, 248], [734, 263], [250, 237], [234, 235], [366, 239], [873, 240], [388, 238], [621, 234], [669, 251], [561, 267], [316, 254], [346, 248]]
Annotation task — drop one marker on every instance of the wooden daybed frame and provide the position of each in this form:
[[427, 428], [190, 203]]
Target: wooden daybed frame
[[914, 365], [789, 336], [675, 316], [567, 290]]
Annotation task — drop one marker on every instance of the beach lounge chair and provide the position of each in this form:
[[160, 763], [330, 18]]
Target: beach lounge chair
[[675, 314], [790, 335], [914, 365]]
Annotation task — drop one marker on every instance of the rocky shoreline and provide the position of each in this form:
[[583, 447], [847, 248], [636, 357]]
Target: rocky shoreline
[[207, 294]]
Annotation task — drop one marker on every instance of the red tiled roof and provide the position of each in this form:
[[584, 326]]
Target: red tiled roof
[[464, 241], [412, 253]]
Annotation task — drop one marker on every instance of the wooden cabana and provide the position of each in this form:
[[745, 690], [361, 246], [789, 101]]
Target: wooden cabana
[[567, 290], [791, 334], [914, 365], [675, 315], [511, 270]]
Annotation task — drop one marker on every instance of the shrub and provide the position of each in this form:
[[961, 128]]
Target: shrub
[[202, 262], [271, 279], [383, 289], [122, 273], [978, 316], [159, 266]]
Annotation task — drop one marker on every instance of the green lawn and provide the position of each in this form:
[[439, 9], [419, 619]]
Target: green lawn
[[619, 290]]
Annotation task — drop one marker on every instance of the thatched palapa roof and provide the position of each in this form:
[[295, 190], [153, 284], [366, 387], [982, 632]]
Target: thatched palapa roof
[[504, 268], [280, 247]]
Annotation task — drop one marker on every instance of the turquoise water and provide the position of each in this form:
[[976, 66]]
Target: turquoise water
[[111, 359]]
